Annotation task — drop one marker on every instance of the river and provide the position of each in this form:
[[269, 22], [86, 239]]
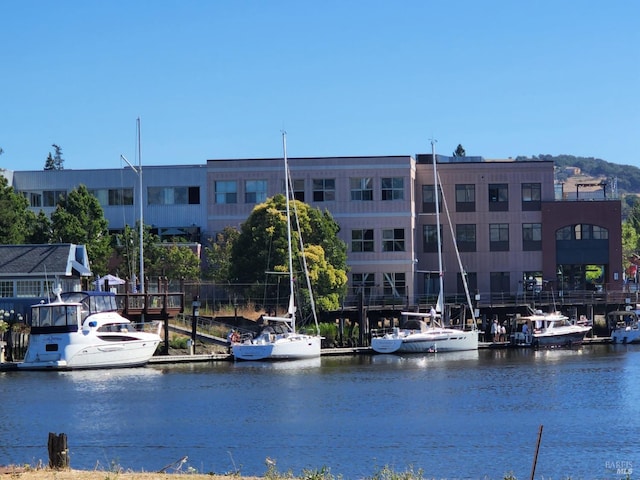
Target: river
[[473, 415]]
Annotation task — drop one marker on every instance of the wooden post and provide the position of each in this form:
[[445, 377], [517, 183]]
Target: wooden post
[[58, 451], [535, 457]]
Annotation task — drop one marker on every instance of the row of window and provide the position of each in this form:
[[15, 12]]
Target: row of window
[[24, 288], [122, 196], [497, 197], [393, 240], [322, 189]]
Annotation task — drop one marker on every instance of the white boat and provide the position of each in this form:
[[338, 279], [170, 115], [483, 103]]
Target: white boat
[[82, 330], [416, 335], [624, 325], [279, 339], [550, 330]]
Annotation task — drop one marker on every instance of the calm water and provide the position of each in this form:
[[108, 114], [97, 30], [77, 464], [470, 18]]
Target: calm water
[[471, 415]]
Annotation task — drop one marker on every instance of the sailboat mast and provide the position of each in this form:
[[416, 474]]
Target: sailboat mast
[[292, 310], [437, 201]]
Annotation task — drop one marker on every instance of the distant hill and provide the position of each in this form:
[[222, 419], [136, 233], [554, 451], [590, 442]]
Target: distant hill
[[627, 176]]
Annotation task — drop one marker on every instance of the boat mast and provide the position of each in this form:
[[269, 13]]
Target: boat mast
[[292, 307], [437, 202]]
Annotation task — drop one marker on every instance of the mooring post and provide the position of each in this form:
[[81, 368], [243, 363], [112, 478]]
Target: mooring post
[[535, 457], [58, 452]]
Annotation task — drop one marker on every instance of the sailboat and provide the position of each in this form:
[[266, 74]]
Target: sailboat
[[424, 332], [279, 339]]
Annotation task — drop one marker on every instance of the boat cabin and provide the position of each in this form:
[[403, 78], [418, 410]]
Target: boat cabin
[[69, 312]]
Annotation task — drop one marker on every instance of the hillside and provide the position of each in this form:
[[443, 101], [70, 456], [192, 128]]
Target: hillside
[[594, 169]]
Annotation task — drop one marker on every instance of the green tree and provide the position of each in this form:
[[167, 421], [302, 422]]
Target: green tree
[[262, 246], [79, 218], [179, 261], [49, 163], [127, 246], [40, 229], [55, 161], [459, 152], [218, 255], [15, 216], [630, 239]]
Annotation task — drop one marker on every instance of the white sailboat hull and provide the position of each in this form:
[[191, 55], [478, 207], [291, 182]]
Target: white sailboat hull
[[431, 341], [292, 346]]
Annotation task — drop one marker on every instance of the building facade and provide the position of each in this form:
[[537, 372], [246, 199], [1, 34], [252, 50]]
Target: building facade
[[513, 227]]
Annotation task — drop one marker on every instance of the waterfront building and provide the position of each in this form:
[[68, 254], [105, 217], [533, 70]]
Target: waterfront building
[[516, 230]]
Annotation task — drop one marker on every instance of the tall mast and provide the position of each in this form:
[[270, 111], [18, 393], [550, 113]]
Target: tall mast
[[292, 308], [437, 195]]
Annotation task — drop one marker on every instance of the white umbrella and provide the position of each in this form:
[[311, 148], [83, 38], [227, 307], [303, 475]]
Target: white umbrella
[[111, 279]]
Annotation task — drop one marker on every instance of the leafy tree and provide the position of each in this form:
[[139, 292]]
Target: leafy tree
[[459, 152], [79, 218], [262, 247], [40, 230], [218, 254], [630, 239], [15, 216], [127, 247], [179, 261]]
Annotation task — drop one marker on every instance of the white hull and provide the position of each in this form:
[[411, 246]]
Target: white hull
[[77, 351], [626, 335], [430, 341], [85, 331], [291, 346]]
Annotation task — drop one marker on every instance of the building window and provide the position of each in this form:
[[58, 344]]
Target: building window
[[113, 196], [531, 236], [255, 191], [298, 189], [51, 198], [429, 199], [582, 232], [173, 195], [465, 198], [531, 197], [500, 282], [226, 192], [499, 237], [498, 197], [430, 238], [466, 237], [394, 285], [34, 199], [324, 189], [28, 288], [393, 240], [393, 188], [6, 288], [362, 240], [363, 283], [361, 189]]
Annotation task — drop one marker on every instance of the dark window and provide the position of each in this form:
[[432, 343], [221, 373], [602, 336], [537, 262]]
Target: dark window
[[531, 196], [466, 237], [499, 237], [498, 197], [531, 236], [465, 198]]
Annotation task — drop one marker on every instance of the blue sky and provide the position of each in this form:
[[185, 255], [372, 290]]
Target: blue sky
[[221, 79]]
